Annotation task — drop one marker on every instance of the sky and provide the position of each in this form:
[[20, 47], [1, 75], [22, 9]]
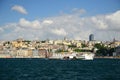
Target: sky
[[56, 19]]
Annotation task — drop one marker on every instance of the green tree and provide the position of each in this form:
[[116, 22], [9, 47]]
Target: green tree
[[82, 50], [99, 46], [43, 41], [111, 50], [83, 45], [72, 46], [102, 50]]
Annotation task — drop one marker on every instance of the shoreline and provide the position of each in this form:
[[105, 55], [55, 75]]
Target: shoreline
[[106, 57], [96, 57]]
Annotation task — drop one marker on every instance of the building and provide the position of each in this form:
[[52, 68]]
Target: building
[[117, 51], [5, 56], [91, 37], [24, 53], [44, 53]]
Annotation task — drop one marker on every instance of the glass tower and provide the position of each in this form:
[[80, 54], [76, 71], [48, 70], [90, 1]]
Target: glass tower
[[91, 37]]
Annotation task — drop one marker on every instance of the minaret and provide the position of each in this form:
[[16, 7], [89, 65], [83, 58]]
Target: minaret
[[114, 39], [65, 38]]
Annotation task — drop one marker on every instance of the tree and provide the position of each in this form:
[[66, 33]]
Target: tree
[[111, 50], [102, 50], [99, 46], [43, 41], [72, 46], [83, 45], [82, 50]]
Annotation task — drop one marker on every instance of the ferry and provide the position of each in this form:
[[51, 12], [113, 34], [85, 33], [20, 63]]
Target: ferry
[[71, 56], [84, 56], [89, 56]]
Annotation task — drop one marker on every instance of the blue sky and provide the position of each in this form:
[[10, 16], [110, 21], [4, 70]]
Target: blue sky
[[45, 8], [50, 9]]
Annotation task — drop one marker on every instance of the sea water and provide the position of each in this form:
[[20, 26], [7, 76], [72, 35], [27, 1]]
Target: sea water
[[45, 69]]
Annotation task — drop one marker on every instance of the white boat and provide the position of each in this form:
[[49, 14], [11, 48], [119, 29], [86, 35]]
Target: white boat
[[85, 56], [89, 56]]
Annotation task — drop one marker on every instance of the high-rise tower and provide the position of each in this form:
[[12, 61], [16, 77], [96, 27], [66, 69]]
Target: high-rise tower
[[91, 37]]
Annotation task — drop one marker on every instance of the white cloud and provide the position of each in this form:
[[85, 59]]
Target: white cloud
[[99, 23], [59, 32], [1, 29], [114, 17], [104, 27], [19, 9], [113, 21], [29, 24], [23, 22], [47, 22]]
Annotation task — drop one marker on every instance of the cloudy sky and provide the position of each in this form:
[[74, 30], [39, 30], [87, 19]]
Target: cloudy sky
[[56, 19]]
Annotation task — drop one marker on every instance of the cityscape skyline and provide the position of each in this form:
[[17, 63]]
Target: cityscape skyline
[[56, 19]]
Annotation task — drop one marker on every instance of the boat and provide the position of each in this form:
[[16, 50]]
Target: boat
[[85, 56], [89, 56], [73, 56]]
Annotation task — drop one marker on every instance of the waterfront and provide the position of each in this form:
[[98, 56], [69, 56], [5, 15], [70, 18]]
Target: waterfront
[[44, 69]]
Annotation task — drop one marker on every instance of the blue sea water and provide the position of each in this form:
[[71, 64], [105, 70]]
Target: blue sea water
[[42, 69]]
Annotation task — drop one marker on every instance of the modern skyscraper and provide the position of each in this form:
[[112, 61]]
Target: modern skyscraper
[[91, 37]]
